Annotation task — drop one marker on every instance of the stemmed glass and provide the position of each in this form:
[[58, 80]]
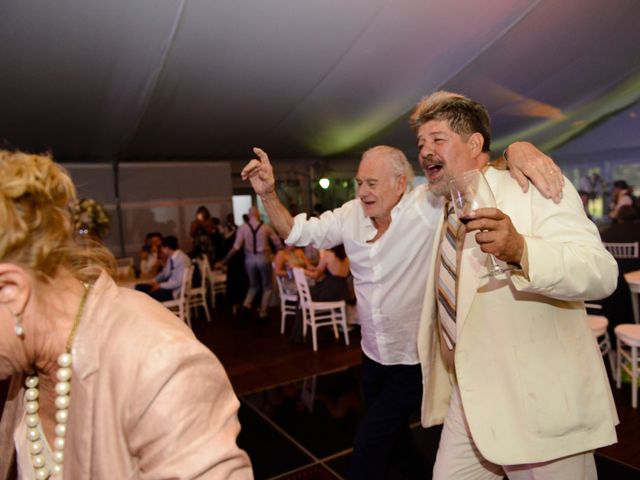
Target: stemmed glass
[[470, 191]]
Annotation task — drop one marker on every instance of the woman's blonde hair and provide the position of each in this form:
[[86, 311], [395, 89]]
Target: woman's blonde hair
[[36, 227]]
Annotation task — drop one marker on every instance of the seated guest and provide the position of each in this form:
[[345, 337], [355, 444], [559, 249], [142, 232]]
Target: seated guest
[[626, 230], [150, 255], [622, 195], [166, 285], [617, 307], [105, 383], [331, 276], [286, 259]]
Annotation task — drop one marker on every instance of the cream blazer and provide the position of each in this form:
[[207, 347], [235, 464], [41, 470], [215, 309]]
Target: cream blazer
[[148, 400], [531, 376]]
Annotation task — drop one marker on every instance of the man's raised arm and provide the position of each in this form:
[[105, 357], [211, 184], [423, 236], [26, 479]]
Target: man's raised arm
[[260, 173]]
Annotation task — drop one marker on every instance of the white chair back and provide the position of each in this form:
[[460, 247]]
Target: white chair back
[[288, 303], [218, 281], [180, 305], [622, 250], [198, 295], [628, 357], [303, 287], [319, 314]]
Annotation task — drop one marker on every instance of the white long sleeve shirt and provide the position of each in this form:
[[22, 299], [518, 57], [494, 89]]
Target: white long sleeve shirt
[[390, 274]]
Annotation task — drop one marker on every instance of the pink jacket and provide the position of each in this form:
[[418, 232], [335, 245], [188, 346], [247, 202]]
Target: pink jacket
[[148, 400]]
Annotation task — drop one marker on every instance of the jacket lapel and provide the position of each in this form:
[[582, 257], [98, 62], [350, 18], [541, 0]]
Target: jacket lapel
[[86, 363]]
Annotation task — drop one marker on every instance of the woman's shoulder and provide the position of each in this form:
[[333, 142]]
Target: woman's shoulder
[[137, 319]]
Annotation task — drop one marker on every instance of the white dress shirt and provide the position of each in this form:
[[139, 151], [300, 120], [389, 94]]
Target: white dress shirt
[[170, 278], [389, 274]]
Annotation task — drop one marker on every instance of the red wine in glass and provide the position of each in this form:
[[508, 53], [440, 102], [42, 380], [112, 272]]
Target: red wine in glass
[[470, 191]]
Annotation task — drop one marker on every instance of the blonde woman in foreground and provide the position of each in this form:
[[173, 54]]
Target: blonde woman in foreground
[[106, 383]]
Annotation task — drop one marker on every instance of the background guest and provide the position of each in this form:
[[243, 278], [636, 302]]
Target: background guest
[[150, 255], [237, 280], [201, 229], [622, 195], [617, 307], [254, 237], [584, 197], [287, 258], [166, 285], [330, 276]]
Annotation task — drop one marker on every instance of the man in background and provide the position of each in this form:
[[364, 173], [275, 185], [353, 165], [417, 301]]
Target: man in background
[[254, 237], [166, 285]]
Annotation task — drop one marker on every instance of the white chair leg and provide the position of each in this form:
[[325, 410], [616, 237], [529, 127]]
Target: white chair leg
[[186, 317], [206, 309], [334, 324], [610, 354], [619, 364], [344, 326], [314, 333], [282, 317], [304, 323]]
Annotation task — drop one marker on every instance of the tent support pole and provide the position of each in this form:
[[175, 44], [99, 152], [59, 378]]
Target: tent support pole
[[116, 192]]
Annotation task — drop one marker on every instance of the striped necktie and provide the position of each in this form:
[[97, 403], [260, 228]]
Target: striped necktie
[[447, 277]]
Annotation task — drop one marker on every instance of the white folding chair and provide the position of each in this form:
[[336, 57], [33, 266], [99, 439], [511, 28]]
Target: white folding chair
[[198, 295], [622, 250], [218, 280], [180, 305], [599, 325], [319, 314], [628, 359], [288, 303]]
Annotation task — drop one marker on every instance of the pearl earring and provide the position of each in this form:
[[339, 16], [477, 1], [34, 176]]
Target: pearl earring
[[18, 328]]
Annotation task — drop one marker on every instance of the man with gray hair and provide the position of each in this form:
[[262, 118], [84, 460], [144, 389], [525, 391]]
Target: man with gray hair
[[387, 232]]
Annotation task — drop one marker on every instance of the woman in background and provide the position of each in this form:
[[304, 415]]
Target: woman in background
[[287, 258], [105, 382], [330, 275], [150, 255]]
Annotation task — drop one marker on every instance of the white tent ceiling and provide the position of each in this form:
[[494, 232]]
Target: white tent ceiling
[[208, 79]]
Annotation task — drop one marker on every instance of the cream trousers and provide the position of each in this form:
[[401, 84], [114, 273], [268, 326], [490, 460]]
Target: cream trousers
[[459, 459]]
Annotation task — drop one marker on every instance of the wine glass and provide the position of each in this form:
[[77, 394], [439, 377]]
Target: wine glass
[[470, 191]]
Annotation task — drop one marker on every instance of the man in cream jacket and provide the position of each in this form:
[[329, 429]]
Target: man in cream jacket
[[521, 388]]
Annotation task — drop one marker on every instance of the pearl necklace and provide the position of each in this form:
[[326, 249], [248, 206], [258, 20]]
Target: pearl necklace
[[32, 405]]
